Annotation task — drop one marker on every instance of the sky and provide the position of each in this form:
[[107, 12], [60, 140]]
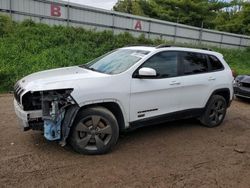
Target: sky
[[105, 4]]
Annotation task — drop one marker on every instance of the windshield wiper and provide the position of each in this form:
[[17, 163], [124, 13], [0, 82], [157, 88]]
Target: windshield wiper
[[89, 68]]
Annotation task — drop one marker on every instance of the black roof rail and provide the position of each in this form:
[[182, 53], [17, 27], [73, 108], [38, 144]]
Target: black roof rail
[[164, 46], [208, 49], [131, 45], [167, 45]]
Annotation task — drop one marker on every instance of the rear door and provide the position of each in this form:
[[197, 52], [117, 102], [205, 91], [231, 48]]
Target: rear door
[[197, 80]]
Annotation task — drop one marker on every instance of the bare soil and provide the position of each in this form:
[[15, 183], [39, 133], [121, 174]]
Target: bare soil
[[177, 154]]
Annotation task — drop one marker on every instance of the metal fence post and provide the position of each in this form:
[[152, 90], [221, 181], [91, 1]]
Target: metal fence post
[[149, 29], [132, 23], [240, 43], [113, 23], [68, 16], [175, 32], [200, 33], [11, 9], [221, 40]]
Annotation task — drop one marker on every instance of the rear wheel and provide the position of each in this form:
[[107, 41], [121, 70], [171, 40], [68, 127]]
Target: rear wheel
[[95, 131], [215, 111]]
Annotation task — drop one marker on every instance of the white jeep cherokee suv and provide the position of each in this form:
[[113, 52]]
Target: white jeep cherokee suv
[[88, 105]]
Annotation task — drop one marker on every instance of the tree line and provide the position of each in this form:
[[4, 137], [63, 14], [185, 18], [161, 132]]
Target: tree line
[[223, 15]]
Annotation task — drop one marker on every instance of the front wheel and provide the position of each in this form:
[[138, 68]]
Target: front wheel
[[95, 131], [215, 111]]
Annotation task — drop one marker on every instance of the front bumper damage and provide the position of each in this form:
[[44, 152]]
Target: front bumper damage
[[55, 118], [241, 91], [24, 117]]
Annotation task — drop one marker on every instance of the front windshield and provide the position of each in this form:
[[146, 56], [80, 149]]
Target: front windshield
[[116, 62]]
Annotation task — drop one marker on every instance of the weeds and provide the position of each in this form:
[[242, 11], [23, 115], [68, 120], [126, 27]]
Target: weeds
[[28, 47]]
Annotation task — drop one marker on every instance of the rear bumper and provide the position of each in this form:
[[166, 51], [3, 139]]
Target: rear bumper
[[25, 116], [242, 92]]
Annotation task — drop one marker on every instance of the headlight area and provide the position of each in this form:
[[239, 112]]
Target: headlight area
[[237, 83], [55, 105], [32, 101]]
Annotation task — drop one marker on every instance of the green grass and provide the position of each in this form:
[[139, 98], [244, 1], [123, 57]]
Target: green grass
[[238, 60], [28, 47]]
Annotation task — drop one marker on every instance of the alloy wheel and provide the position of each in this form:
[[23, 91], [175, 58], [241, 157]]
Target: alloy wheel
[[93, 132]]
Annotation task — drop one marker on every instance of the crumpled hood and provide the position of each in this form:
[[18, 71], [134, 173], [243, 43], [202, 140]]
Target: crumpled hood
[[243, 78], [56, 78]]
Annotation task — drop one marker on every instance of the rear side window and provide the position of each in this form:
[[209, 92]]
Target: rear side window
[[215, 63], [194, 63]]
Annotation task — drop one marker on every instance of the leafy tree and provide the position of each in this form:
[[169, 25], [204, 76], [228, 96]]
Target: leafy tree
[[129, 6], [246, 18], [235, 20], [232, 16]]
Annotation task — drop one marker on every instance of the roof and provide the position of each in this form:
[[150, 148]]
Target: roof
[[146, 48], [174, 48]]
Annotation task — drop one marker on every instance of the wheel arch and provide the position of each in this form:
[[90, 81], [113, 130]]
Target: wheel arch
[[113, 107], [224, 92]]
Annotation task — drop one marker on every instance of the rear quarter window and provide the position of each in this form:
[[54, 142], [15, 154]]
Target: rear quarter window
[[215, 63]]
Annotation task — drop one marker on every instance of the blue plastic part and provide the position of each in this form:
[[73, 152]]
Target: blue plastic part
[[52, 129]]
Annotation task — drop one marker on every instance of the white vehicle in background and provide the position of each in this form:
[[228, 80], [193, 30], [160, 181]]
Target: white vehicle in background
[[89, 105]]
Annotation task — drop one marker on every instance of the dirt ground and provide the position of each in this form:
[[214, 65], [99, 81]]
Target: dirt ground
[[177, 154]]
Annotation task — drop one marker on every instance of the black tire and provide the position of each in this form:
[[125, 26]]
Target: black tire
[[215, 112], [95, 131]]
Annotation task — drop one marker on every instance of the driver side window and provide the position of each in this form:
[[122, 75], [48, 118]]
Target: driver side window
[[165, 64]]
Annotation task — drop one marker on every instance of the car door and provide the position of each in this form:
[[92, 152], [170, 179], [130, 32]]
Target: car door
[[158, 95], [197, 80]]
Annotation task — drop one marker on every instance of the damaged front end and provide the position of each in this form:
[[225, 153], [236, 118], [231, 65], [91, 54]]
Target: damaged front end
[[58, 110]]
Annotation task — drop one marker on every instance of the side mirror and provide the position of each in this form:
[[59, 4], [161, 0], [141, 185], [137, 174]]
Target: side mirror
[[146, 72]]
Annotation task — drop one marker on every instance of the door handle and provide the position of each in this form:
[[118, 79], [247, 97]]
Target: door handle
[[211, 78], [175, 83]]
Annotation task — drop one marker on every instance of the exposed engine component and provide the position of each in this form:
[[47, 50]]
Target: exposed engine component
[[54, 104], [52, 128]]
